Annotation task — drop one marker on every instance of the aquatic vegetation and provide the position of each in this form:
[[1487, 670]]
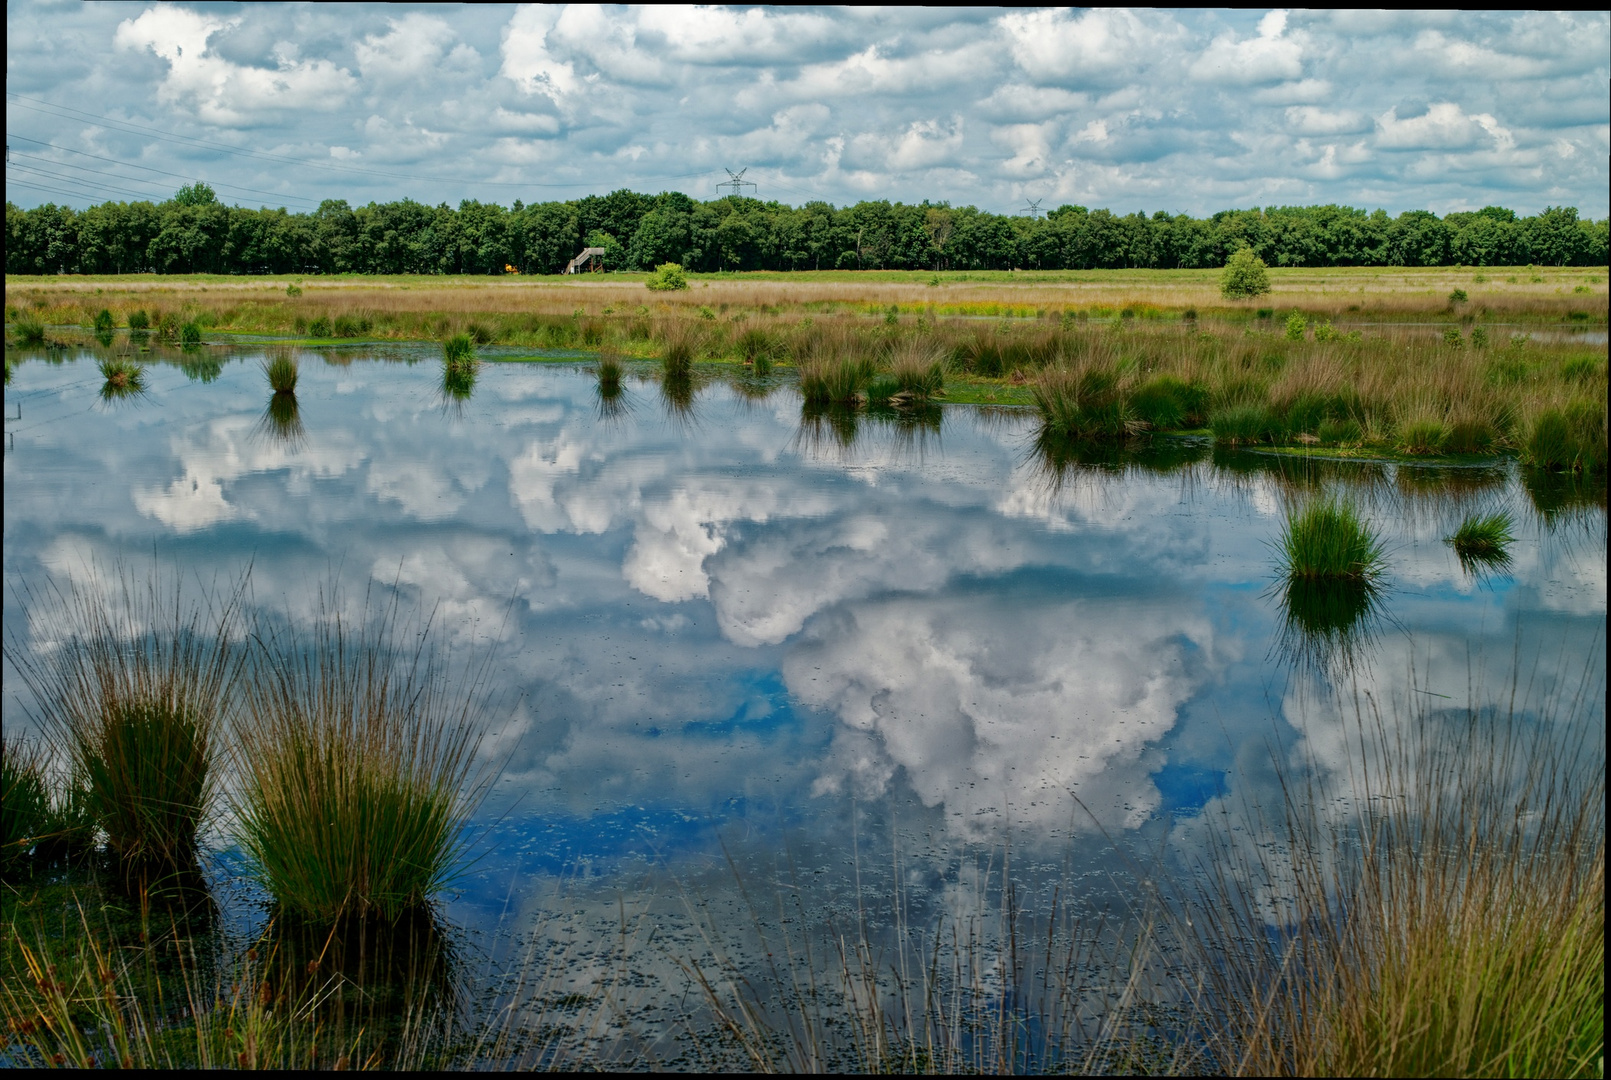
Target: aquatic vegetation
[[136, 692], [1423, 435], [459, 367], [1572, 439], [355, 766], [1166, 402], [190, 335], [1447, 919], [1244, 424], [609, 374], [1326, 539], [1083, 404], [24, 800], [28, 332], [835, 380], [281, 371], [139, 320], [1483, 540], [679, 344], [103, 321], [121, 377]]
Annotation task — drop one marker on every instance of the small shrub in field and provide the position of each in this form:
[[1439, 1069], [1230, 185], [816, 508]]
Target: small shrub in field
[[1296, 325], [1426, 435], [293, 291], [190, 335], [1458, 296], [103, 321], [1327, 539], [1479, 337], [706, 313], [667, 277], [1452, 338], [1243, 424], [1326, 332], [1265, 313], [139, 320], [356, 769], [1245, 275]]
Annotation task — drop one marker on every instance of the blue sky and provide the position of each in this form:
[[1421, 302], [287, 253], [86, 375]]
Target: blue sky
[[1133, 110]]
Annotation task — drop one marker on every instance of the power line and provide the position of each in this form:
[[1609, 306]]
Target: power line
[[80, 181], [57, 190], [146, 168]]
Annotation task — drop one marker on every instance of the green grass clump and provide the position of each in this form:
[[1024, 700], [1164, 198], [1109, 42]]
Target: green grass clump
[[24, 799], [916, 373], [139, 320], [679, 345], [281, 371], [320, 327], [609, 374], [1328, 540], [1572, 439], [1424, 435], [834, 380], [1483, 540], [1244, 424], [459, 367], [121, 376], [1165, 402], [28, 332], [1082, 405], [103, 321], [459, 349], [136, 692], [355, 763]]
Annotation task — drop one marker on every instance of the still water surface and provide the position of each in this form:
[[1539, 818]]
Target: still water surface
[[714, 623]]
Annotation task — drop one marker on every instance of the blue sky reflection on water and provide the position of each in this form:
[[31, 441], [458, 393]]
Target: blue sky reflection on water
[[718, 630]]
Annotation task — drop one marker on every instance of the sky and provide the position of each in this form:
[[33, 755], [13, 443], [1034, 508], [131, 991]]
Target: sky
[[1184, 111]]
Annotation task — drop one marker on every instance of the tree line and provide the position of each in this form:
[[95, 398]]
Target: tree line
[[194, 232]]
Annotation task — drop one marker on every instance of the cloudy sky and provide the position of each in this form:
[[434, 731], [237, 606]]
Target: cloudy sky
[[1182, 111]]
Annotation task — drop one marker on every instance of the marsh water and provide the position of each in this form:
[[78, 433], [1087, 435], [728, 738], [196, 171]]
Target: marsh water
[[731, 642]]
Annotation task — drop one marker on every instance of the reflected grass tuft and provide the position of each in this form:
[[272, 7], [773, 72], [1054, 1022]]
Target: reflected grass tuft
[[1483, 541]]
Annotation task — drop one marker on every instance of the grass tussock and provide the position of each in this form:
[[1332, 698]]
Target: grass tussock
[[609, 374], [1084, 404], [1327, 539], [1482, 541], [1445, 918], [135, 692], [24, 799], [121, 377], [281, 372], [355, 768]]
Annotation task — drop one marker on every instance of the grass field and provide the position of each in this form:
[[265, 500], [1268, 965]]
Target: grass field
[[1416, 362]]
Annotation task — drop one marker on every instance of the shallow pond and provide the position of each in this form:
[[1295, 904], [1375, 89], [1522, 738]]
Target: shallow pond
[[721, 629]]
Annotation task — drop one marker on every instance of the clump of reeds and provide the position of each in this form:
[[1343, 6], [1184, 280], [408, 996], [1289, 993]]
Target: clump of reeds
[[1326, 539], [1244, 424], [459, 367], [609, 374], [355, 768], [1445, 916], [679, 345], [281, 371], [139, 321], [834, 380], [1572, 439], [28, 332], [135, 688], [916, 374], [1483, 540], [122, 375], [1083, 404], [1166, 402], [24, 799]]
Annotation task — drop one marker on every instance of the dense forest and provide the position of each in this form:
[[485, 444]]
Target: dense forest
[[195, 233]]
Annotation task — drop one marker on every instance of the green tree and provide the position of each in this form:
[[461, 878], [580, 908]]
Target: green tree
[[1245, 275], [197, 194], [667, 277]]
